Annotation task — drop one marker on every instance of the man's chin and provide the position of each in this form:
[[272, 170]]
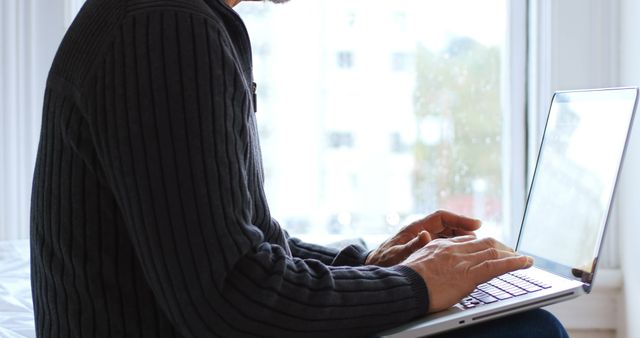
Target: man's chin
[[278, 1]]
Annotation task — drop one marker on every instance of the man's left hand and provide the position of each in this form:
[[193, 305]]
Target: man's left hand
[[417, 234]]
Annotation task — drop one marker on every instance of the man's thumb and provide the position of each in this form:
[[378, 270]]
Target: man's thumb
[[419, 241]]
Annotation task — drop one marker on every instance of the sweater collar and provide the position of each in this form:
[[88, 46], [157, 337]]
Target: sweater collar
[[237, 32]]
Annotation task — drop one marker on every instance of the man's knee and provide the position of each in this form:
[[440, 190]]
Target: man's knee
[[541, 323], [531, 324]]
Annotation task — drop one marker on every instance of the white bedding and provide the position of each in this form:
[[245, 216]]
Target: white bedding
[[16, 305]]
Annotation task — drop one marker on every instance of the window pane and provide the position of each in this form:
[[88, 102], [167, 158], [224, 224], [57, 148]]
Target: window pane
[[375, 113]]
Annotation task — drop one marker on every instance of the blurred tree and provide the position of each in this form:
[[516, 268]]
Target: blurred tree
[[459, 121]]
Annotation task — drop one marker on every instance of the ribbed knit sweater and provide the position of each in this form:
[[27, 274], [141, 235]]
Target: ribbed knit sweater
[[149, 217]]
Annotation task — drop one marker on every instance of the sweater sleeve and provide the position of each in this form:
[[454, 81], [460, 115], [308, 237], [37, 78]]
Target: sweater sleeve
[[351, 255], [168, 112]]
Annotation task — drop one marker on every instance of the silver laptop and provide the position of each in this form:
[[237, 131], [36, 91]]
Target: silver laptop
[[566, 213]]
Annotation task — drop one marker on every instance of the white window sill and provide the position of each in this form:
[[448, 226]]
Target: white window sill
[[598, 310]]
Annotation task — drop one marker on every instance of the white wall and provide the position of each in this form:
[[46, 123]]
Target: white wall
[[30, 31], [578, 44], [594, 43], [573, 45], [629, 193]]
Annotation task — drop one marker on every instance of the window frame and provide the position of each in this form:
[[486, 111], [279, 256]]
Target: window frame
[[515, 107]]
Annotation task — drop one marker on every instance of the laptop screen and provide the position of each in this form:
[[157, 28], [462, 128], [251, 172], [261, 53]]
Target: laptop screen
[[574, 180]]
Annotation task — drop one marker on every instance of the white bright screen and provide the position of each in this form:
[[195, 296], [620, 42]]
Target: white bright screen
[[575, 176]]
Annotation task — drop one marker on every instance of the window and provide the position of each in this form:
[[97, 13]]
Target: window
[[345, 59], [426, 105], [399, 61], [340, 140], [398, 144]]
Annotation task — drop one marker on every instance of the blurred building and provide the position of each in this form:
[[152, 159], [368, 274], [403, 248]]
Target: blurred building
[[336, 108]]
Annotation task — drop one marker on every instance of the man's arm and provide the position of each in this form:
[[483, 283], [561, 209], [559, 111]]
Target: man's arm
[[171, 135], [351, 255], [440, 224]]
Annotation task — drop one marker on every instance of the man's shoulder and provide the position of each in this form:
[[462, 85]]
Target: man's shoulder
[[209, 9], [99, 24]]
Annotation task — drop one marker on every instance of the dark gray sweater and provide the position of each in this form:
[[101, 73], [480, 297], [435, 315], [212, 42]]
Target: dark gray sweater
[[149, 217]]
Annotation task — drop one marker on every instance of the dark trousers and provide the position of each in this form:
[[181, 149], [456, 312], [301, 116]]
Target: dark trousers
[[531, 324]]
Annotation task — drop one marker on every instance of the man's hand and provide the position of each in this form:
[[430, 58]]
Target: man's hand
[[417, 234], [452, 268]]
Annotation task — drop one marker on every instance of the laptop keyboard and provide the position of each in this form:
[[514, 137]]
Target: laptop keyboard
[[507, 286]]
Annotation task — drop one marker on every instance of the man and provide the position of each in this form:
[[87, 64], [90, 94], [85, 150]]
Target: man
[[149, 217]]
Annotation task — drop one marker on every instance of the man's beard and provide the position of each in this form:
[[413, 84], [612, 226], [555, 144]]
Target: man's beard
[[278, 1]]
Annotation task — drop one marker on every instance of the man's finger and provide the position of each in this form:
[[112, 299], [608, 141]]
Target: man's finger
[[441, 220], [418, 242], [460, 232], [488, 254], [455, 221], [490, 269], [455, 233], [482, 244], [462, 239]]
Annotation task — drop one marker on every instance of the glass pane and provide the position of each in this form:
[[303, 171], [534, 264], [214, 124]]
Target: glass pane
[[375, 113]]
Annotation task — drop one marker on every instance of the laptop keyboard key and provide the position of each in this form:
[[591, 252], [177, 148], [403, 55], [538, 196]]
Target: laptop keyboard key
[[517, 292], [485, 298], [503, 287], [531, 288], [502, 295], [507, 287]]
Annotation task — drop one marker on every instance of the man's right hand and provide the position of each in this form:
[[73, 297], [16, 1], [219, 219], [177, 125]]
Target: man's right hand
[[453, 267]]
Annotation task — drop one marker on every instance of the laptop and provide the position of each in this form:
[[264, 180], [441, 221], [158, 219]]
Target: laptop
[[566, 214]]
